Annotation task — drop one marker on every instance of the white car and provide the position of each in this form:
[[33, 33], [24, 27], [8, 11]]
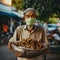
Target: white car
[[51, 27]]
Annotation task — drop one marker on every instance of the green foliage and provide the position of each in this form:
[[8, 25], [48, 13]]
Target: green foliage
[[45, 8], [53, 18], [18, 4]]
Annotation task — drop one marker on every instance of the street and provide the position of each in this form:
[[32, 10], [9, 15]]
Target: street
[[6, 54]]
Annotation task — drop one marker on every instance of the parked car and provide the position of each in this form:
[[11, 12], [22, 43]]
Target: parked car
[[51, 27]]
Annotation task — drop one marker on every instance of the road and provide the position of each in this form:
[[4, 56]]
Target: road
[[7, 54]]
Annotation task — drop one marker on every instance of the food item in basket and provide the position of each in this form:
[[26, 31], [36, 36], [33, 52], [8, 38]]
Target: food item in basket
[[32, 44]]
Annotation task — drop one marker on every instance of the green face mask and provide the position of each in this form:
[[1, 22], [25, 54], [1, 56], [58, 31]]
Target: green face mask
[[30, 21]]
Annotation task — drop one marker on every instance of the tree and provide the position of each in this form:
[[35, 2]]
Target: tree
[[45, 8], [18, 4]]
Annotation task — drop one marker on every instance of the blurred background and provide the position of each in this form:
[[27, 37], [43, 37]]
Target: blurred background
[[11, 16]]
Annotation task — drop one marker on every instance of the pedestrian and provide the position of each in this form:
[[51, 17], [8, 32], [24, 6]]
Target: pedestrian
[[28, 32], [54, 38]]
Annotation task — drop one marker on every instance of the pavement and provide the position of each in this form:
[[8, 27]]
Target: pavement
[[7, 54]]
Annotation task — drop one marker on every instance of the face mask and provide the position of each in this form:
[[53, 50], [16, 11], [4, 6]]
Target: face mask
[[30, 21]]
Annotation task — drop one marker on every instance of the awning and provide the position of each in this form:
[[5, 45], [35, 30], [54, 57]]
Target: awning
[[7, 14], [7, 11]]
